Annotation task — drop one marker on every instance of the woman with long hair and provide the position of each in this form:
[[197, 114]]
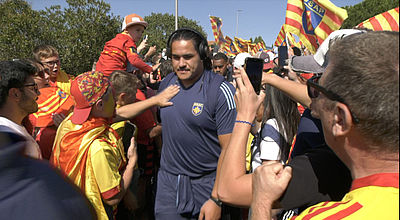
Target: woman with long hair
[[279, 122], [279, 126]]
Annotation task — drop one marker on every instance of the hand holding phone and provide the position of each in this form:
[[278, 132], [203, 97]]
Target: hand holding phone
[[253, 68]]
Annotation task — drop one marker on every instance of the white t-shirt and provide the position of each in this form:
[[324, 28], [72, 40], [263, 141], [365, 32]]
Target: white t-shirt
[[32, 148], [269, 145]]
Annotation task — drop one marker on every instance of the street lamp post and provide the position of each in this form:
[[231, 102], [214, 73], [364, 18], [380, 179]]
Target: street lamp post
[[176, 14], [237, 20]]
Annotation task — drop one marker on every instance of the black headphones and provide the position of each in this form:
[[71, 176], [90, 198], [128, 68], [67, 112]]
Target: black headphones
[[203, 46]]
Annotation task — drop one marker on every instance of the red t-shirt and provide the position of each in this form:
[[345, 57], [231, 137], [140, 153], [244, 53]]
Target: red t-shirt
[[116, 54]]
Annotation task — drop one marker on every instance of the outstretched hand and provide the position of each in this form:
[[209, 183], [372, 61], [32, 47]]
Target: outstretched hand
[[247, 101], [164, 97]]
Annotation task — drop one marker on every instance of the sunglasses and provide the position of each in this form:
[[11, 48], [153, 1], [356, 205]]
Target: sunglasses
[[314, 90], [34, 86]]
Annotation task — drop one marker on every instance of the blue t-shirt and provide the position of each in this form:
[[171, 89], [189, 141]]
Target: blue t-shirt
[[191, 127]]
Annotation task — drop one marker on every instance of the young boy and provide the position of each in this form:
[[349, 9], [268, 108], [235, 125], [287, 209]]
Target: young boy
[[122, 49]]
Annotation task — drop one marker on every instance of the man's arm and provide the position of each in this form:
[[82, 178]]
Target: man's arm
[[296, 91], [134, 109]]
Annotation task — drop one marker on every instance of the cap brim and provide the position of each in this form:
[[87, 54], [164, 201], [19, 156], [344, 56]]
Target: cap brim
[[80, 115], [269, 65], [143, 23], [305, 64]]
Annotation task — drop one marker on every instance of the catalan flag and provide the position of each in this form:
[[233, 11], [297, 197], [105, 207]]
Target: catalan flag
[[229, 47], [387, 21], [261, 45], [313, 20], [292, 40], [280, 40], [242, 45], [216, 24], [252, 48]]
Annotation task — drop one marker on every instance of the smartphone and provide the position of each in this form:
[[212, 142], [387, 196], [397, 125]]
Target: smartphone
[[145, 37], [282, 55], [254, 67]]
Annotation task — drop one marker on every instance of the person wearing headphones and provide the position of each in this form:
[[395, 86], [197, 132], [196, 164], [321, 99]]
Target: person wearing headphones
[[196, 131]]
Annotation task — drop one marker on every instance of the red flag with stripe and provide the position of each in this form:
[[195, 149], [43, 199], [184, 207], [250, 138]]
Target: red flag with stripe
[[386, 21]]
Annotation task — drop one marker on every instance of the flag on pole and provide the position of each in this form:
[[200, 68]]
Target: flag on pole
[[252, 48], [229, 48], [241, 45], [292, 40], [261, 45], [280, 40], [216, 24], [313, 20], [387, 21]]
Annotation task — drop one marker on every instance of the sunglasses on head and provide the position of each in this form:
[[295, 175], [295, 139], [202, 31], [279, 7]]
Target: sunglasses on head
[[314, 89]]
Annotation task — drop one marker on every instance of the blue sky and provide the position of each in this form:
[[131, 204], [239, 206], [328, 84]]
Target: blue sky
[[257, 17]]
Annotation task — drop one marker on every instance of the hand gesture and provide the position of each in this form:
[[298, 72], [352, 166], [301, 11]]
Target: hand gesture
[[164, 97], [270, 180], [142, 45], [210, 211], [247, 101]]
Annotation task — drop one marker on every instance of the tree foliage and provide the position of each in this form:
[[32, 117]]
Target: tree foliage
[[19, 30], [78, 31], [367, 9], [162, 25]]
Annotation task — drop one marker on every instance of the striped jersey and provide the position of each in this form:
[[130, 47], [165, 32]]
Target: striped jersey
[[371, 197]]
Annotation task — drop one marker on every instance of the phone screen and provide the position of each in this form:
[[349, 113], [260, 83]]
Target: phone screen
[[282, 55], [254, 67]]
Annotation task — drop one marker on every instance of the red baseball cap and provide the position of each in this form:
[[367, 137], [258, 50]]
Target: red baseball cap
[[87, 89]]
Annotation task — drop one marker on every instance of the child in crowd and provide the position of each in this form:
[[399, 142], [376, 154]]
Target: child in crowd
[[122, 49]]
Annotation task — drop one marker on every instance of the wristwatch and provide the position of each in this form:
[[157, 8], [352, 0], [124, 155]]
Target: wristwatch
[[217, 201]]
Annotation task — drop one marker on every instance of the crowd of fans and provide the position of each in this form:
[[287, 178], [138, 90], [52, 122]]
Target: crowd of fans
[[182, 134]]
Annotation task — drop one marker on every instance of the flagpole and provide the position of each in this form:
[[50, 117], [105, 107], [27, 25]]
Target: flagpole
[[237, 21], [176, 14]]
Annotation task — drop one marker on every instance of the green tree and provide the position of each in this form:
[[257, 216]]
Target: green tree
[[367, 9], [162, 25], [258, 39], [19, 30], [78, 31]]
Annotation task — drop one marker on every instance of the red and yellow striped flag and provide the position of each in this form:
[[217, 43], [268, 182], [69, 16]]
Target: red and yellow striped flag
[[252, 48], [387, 21], [313, 20], [292, 40], [216, 24], [261, 45], [229, 48], [242, 45], [280, 40]]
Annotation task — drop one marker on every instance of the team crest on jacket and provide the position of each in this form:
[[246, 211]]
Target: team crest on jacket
[[197, 108]]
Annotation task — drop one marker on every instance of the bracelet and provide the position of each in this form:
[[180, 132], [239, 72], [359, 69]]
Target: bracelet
[[245, 122], [217, 201]]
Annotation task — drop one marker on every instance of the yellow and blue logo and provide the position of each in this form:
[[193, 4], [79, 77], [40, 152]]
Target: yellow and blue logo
[[197, 108]]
